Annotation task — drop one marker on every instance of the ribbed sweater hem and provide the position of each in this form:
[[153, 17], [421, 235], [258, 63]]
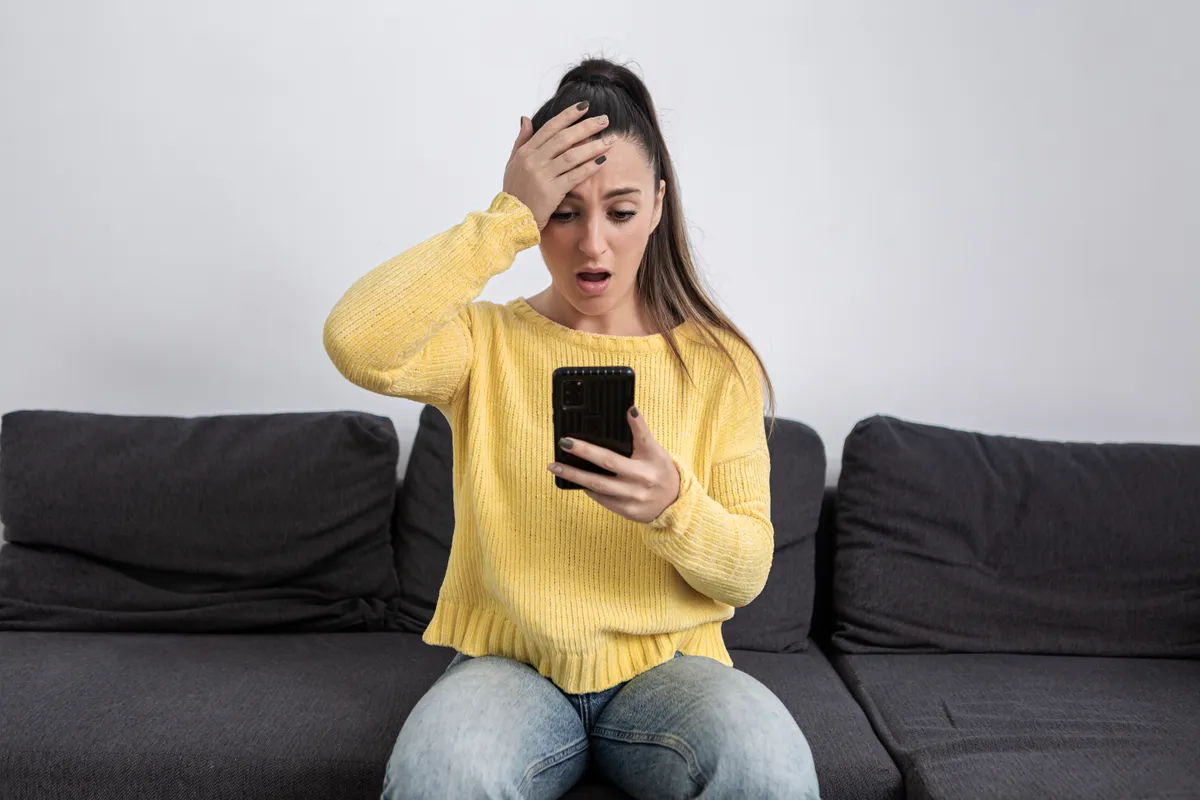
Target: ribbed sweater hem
[[481, 631]]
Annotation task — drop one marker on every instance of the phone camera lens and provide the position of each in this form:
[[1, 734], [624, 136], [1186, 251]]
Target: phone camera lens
[[573, 394]]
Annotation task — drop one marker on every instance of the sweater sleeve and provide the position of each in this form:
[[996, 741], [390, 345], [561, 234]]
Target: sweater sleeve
[[403, 329], [721, 540]]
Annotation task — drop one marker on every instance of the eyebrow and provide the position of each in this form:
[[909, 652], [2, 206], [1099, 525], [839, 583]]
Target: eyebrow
[[613, 193]]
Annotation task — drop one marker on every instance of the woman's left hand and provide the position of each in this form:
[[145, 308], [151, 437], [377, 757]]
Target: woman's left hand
[[642, 486]]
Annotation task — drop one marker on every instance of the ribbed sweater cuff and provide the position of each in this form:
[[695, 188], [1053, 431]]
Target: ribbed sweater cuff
[[676, 517], [520, 226], [722, 554], [688, 533]]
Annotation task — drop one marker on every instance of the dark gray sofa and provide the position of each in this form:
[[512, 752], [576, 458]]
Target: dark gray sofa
[[194, 608]]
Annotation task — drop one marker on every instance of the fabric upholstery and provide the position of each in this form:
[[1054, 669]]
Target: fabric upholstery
[[851, 762], [299, 715], [138, 715], [228, 523], [424, 523], [1018, 726], [949, 541]]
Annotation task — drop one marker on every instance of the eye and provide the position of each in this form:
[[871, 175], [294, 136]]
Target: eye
[[619, 217]]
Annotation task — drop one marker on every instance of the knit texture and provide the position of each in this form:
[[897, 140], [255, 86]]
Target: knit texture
[[536, 573]]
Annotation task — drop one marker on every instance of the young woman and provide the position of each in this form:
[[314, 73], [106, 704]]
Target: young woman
[[587, 623]]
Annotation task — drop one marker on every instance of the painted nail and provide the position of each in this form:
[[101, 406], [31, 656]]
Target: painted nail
[[633, 412], [601, 159], [566, 444], [582, 105]]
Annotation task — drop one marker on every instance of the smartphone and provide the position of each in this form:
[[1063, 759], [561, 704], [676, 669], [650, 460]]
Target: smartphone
[[591, 404]]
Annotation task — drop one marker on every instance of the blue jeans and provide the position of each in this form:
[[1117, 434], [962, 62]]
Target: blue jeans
[[692, 727]]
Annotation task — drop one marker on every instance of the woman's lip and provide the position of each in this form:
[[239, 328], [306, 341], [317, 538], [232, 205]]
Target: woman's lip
[[592, 287]]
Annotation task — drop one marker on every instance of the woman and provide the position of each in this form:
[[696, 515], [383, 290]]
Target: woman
[[587, 623]]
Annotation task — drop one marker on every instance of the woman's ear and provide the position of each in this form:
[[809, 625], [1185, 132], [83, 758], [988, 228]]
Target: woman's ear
[[658, 201]]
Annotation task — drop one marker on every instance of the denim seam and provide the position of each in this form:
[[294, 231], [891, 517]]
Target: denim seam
[[665, 740], [585, 712], [538, 767]]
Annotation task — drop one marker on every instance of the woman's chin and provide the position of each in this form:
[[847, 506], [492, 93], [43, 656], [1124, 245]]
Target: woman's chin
[[593, 304]]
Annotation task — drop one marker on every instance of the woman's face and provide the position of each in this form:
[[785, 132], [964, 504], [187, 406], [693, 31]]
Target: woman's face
[[595, 239]]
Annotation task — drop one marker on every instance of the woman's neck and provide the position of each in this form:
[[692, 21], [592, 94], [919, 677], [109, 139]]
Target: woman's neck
[[627, 318]]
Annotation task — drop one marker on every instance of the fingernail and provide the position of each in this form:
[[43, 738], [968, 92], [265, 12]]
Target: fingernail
[[582, 105], [633, 412], [566, 444], [601, 159]]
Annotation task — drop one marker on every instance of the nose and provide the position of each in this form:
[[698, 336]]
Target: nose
[[592, 244]]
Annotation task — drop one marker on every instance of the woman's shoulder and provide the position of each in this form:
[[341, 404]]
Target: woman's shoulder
[[486, 313], [715, 347]]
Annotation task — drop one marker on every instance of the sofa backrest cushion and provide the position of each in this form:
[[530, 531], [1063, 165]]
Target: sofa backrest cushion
[[424, 522], [948, 540], [776, 621], [779, 619], [229, 523]]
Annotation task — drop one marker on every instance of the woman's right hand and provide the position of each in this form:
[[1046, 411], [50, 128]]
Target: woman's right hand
[[545, 166]]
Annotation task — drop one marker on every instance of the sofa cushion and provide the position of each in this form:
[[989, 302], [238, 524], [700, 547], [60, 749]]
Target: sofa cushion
[[1020, 726], [424, 522], [955, 541], [206, 715], [227, 523], [298, 716], [776, 621], [851, 762]]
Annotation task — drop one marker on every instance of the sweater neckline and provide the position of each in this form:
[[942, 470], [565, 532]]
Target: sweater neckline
[[603, 341]]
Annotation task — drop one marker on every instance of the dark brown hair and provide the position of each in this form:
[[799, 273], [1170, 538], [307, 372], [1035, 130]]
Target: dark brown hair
[[668, 283]]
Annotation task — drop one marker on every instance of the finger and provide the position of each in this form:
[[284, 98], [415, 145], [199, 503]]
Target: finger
[[600, 456], [643, 440], [590, 480], [524, 136], [581, 155], [569, 180], [556, 124], [565, 141]]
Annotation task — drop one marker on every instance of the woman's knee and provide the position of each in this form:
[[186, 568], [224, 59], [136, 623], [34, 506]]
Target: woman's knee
[[701, 724], [775, 763], [752, 743], [455, 772], [721, 760], [489, 727]]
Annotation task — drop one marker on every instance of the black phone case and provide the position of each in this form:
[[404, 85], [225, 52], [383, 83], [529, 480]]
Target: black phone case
[[591, 404]]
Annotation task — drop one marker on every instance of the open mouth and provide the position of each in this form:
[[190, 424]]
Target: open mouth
[[593, 282]]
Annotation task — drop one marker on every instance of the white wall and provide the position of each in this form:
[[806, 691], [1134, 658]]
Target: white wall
[[982, 214]]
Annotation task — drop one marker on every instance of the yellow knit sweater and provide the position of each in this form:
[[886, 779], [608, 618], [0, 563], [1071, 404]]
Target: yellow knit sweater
[[536, 573]]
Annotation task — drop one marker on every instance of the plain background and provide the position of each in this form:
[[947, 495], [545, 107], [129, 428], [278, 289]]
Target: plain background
[[981, 214]]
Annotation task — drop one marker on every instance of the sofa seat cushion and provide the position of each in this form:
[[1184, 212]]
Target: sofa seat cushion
[[1021, 726], [299, 715], [851, 762], [206, 716]]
